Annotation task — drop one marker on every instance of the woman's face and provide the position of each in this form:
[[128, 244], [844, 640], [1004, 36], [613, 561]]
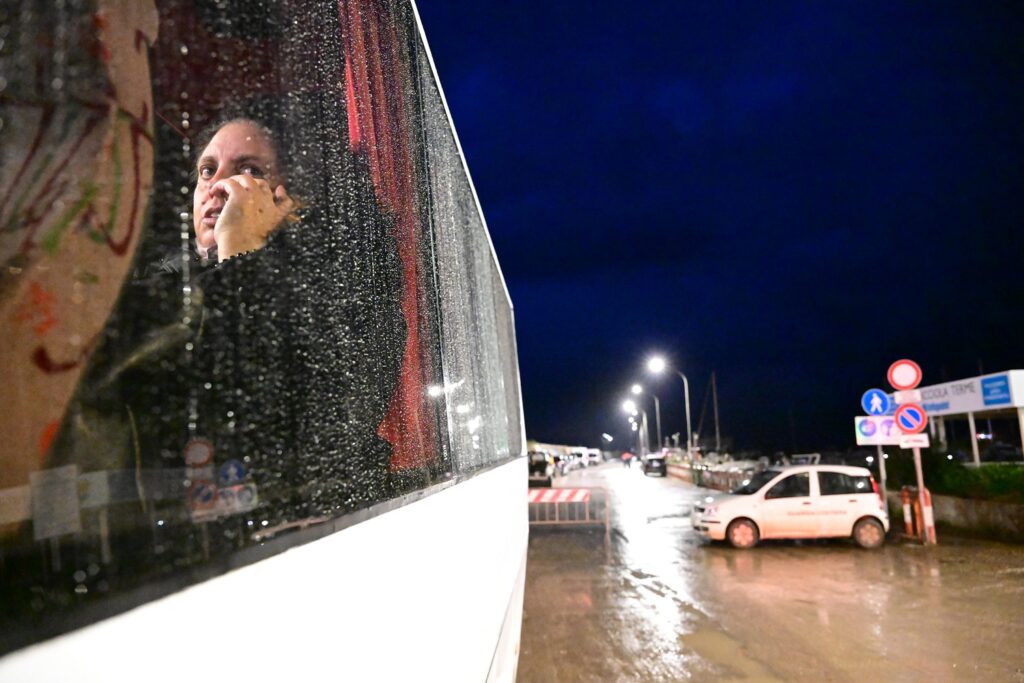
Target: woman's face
[[238, 148]]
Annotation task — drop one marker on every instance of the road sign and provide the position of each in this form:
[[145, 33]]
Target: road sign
[[911, 396], [911, 418], [904, 375], [876, 431], [231, 472], [914, 441], [875, 402], [198, 453], [202, 496]]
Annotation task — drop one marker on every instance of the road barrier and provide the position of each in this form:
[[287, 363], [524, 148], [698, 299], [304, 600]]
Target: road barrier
[[918, 518], [582, 506]]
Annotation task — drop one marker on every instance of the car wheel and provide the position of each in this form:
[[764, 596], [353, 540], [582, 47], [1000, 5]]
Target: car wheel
[[742, 533], [868, 533]]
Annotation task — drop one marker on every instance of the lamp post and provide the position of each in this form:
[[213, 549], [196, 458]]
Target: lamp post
[[656, 365], [636, 429], [637, 390], [630, 407]]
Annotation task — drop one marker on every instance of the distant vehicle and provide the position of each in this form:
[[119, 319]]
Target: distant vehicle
[[805, 459], [1001, 452], [542, 468], [655, 463], [806, 501], [564, 464], [592, 456]]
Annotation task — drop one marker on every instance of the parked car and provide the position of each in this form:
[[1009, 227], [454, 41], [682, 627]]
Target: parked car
[[542, 468], [655, 463], [808, 501]]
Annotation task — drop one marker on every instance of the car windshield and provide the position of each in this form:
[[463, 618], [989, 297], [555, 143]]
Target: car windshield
[[751, 486]]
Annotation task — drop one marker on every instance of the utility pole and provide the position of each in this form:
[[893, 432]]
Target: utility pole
[[714, 399]]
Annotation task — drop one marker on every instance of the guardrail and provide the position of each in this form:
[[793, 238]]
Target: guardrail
[[579, 506], [700, 475]]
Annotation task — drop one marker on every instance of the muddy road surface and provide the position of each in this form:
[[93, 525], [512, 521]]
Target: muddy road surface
[[660, 604]]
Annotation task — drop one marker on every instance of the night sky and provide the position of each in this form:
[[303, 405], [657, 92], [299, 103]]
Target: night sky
[[790, 194]]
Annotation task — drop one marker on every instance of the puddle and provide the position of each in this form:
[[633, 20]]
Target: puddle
[[720, 649]]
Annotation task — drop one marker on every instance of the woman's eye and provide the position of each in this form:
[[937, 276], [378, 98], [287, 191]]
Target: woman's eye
[[253, 171], [206, 172]]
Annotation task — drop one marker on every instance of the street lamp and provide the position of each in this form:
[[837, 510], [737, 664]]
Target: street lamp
[[630, 407], [637, 389], [656, 365]]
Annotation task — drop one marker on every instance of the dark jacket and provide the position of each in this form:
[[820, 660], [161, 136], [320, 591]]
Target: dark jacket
[[285, 359]]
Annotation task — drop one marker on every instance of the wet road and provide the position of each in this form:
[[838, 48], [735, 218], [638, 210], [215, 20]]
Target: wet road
[[663, 605]]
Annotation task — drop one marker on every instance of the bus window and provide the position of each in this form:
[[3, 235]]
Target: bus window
[[247, 290]]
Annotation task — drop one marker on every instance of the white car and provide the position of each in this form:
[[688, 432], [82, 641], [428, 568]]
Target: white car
[[807, 501]]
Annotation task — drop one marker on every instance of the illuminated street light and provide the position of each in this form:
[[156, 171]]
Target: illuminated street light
[[607, 437], [656, 365], [638, 389], [630, 407]]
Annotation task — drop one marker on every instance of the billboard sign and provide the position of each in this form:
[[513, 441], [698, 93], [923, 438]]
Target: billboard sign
[[974, 394]]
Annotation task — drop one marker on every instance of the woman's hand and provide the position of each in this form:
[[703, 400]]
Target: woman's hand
[[252, 210]]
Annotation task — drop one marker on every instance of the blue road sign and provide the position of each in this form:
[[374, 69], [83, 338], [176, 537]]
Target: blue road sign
[[911, 418], [875, 402], [231, 472], [202, 496], [996, 390]]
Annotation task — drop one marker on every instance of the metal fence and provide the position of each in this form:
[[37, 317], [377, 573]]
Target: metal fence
[[580, 506]]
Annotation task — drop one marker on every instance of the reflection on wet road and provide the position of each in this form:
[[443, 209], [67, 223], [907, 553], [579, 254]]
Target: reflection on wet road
[[671, 607]]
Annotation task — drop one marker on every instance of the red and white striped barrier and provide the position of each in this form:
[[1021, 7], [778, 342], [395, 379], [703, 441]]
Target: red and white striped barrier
[[559, 495], [918, 517], [572, 506], [929, 518]]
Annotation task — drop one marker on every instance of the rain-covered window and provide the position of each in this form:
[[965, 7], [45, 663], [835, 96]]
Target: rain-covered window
[[246, 289]]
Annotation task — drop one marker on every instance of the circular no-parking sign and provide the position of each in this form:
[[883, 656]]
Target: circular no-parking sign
[[904, 375], [911, 418]]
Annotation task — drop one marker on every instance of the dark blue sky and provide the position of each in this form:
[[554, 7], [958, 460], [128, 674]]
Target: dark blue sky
[[790, 194]]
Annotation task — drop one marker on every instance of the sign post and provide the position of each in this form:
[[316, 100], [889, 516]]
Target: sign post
[[881, 468], [904, 376]]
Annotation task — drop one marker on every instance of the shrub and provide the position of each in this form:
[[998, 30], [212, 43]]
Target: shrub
[[996, 482]]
